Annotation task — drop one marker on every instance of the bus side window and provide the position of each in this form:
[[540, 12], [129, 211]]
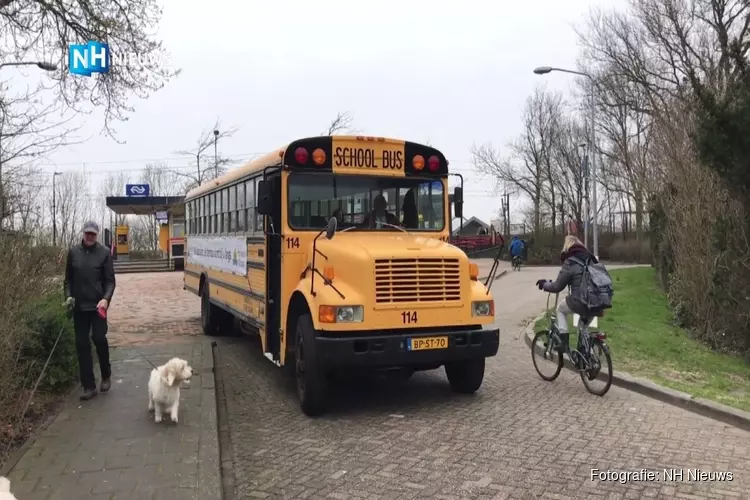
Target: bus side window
[[250, 205], [204, 223], [258, 217], [240, 213]]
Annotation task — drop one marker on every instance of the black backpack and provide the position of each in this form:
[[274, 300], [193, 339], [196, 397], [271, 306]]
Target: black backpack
[[596, 285]]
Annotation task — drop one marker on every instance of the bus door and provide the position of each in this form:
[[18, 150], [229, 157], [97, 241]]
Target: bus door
[[273, 266]]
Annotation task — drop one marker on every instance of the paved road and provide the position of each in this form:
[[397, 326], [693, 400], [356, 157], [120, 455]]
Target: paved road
[[109, 448], [518, 437]]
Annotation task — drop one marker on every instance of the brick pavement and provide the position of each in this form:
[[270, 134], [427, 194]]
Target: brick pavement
[[152, 308], [109, 447], [518, 437]]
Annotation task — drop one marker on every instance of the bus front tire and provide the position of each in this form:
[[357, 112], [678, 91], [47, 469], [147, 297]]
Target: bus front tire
[[465, 377], [309, 372]]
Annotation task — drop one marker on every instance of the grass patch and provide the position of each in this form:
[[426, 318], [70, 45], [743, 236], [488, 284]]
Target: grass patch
[[645, 343]]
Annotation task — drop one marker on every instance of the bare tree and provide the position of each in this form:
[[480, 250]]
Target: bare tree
[[342, 124], [114, 185], [39, 28], [29, 129], [25, 211], [665, 47], [163, 182], [624, 122], [215, 165], [569, 156], [528, 166], [72, 206]]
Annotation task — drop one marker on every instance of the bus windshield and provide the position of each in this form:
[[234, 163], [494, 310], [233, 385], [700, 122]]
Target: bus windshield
[[366, 202]]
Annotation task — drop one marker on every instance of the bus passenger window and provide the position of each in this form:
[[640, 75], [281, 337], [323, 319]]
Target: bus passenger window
[[250, 205]]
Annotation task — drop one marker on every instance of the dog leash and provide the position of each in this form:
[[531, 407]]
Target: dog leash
[[103, 315], [33, 391]]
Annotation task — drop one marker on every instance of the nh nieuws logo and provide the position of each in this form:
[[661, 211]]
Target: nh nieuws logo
[[85, 59], [95, 57]]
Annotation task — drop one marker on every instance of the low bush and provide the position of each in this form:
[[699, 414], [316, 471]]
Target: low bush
[[31, 317], [631, 251], [46, 319]]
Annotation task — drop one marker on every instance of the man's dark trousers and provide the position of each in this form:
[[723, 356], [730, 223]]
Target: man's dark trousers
[[85, 323]]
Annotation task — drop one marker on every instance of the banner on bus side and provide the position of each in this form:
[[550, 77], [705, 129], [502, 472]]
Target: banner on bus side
[[223, 253]]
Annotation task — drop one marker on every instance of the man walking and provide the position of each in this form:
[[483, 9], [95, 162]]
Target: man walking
[[89, 286]]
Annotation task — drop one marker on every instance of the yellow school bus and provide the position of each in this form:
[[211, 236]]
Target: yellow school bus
[[335, 251]]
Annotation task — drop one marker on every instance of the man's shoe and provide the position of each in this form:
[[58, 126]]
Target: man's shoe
[[106, 384], [88, 394]]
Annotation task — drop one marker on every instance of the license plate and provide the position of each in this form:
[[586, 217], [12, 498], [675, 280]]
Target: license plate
[[426, 343]]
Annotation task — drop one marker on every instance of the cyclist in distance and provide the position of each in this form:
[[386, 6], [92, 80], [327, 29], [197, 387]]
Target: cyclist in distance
[[570, 275], [517, 248]]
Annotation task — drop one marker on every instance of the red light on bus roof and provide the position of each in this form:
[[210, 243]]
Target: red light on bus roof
[[433, 163], [300, 154]]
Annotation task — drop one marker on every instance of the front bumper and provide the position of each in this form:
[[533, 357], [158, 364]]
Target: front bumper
[[387, 349]]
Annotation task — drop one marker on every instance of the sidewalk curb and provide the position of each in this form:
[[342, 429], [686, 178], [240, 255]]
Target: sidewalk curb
[[706, 408], [209, 471], [497, 275]]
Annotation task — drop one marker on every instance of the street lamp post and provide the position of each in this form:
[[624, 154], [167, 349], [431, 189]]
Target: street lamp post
[[46, 66], [543, 70], [584, 176], [54, 209], [216, 154]]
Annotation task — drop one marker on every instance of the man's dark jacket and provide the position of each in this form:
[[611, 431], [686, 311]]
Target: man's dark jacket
[[89, 276]]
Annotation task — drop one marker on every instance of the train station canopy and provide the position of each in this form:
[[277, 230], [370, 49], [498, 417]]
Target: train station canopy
[[146, 205]]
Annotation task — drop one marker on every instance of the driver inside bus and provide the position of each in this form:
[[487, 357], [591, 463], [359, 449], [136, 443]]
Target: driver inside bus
[[380, 215]]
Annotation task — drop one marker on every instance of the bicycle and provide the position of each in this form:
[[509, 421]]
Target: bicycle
[[516, 263], [584, 357]]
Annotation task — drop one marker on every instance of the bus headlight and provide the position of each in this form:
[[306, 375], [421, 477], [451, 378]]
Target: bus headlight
[[341, 314], [483, 308], [349, 314]]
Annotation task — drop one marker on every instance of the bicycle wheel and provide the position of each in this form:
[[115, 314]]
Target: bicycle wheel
[[598, 372], [545, 359]]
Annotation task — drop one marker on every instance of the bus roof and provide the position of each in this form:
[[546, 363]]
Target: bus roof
[[358, 154], [267, 160]]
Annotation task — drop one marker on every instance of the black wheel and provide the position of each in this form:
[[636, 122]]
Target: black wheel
[[210, 314], [601, 369], [547, 362], [466, 376], [312, 387]]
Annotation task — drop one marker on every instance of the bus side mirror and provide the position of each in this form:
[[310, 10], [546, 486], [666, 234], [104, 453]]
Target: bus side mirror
[[458, 202], [264, 197], [331, 228]]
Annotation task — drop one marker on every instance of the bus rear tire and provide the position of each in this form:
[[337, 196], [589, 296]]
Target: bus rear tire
[[310, 375], [211, 315], [465, 377]]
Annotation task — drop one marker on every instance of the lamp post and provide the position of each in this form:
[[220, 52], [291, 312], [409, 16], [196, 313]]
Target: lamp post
[[543, 70], [46, 66], [54, 209], [216, 154]]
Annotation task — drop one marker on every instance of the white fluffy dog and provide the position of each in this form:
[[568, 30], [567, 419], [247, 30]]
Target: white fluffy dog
[[5, 493], [164, 388]]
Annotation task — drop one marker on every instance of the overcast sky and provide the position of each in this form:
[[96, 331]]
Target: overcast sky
[[448, 73]]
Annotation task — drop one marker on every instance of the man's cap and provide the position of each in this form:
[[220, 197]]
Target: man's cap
[[91, 227]]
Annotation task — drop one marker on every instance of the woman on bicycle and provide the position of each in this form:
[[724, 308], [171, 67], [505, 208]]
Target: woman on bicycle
[[570, 275]]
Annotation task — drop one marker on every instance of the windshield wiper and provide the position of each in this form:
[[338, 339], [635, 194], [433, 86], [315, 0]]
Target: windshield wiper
[[351, 228]]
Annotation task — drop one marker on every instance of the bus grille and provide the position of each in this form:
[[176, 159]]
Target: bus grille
[[417, 280]]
